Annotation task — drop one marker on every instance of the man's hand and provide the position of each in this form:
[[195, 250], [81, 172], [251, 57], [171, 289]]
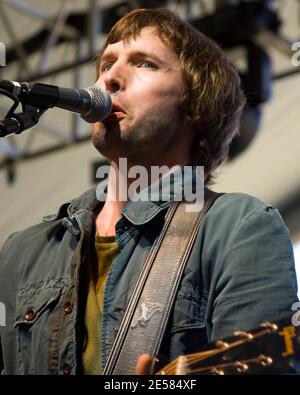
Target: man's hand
[[144, 365]]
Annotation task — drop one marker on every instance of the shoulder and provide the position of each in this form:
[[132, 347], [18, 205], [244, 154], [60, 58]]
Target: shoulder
[[22, 249], [19, 245], [26, 236], [41, 231], [241, 202], [236, 209], [240, 221]]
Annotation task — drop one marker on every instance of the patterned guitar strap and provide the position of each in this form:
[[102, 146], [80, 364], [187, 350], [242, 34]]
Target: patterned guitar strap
[[155, 290]]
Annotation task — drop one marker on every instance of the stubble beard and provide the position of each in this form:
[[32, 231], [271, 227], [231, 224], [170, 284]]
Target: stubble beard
[[143, 140]]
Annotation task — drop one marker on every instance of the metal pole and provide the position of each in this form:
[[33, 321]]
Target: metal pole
[[54, 35], [94, 26]]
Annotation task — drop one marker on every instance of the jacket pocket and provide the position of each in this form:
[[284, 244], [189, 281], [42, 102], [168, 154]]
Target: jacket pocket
[[187, 326], [188, 314], [34, 314]]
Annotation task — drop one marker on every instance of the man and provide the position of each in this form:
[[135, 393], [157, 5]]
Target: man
[[66, 282]]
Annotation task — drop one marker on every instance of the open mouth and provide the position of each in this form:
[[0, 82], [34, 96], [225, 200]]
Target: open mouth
[[117, 109], [116, 115]]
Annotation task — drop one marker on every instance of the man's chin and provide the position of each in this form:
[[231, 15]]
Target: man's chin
[[105, 139]]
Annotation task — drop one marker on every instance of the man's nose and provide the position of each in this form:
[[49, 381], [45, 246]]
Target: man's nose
[[114, 79]]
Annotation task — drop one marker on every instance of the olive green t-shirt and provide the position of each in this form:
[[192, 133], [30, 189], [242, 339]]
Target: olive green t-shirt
[[106, 249]]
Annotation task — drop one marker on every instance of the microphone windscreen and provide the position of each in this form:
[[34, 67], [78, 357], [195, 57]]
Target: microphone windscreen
[[101, 105]]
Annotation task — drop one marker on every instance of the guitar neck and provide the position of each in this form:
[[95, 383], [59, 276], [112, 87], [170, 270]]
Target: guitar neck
[[271, 348]]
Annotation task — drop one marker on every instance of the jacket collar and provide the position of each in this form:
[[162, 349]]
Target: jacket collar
[[176, 185], [141, 209]]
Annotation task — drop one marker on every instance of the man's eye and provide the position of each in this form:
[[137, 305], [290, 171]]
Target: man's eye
[[106, 67], [148, 65]]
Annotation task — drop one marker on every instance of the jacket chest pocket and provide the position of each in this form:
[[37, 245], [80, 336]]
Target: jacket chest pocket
[[35, 323], [187, 326]]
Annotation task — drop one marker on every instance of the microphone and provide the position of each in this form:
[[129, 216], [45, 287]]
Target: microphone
[[92, 103]]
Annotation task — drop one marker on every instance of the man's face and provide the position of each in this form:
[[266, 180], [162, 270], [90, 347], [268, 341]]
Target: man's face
[[144, 79]]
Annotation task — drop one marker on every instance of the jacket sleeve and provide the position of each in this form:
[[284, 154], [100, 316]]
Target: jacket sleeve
[[5, 296], [255, 277]]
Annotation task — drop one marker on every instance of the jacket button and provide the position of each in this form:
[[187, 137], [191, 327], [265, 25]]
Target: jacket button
[[30, 315], [68, 307], [66, 369]]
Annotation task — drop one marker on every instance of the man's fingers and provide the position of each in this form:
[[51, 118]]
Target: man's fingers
[[144, 365]]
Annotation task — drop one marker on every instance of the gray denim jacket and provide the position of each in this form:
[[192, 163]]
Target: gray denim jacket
[[240, 273]]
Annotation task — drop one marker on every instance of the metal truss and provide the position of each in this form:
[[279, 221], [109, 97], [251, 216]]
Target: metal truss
[[83, 29], [79, 30]]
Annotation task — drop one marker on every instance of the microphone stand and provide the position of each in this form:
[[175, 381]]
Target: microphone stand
[[17, 123]]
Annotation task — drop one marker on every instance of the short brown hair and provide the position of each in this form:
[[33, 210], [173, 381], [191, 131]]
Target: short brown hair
[[213, 100]]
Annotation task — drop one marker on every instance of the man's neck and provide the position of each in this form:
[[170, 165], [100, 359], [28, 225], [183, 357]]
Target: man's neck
[[112, 208], [122, 175]]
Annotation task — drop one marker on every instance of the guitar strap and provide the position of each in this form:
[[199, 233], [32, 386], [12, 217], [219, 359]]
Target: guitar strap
[[147, 313]]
